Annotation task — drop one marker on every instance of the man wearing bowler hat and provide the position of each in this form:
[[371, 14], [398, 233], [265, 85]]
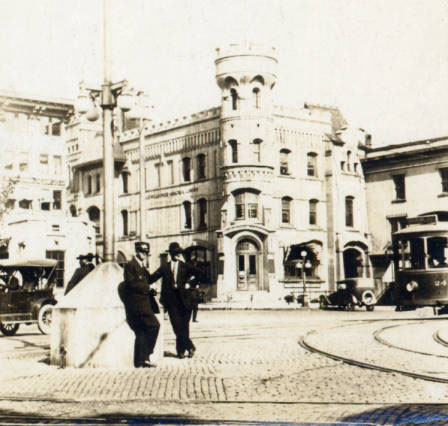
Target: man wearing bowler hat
[[140, 305], [85, 266], [176, 296]]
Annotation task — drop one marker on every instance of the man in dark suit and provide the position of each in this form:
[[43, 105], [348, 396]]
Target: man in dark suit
[[140, 305], [80, 273], [176, 296]]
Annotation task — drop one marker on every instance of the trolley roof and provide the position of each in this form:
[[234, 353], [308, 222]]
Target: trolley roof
[[28, 263]]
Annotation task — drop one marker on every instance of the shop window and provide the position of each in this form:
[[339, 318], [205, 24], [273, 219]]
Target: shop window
[[58, 255]]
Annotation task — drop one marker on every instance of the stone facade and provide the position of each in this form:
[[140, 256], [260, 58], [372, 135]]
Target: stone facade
[[33, 174], [403, 180], [249, 187]]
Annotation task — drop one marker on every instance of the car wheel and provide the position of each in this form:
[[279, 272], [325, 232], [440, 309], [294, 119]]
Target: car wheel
[[368, 298], [370, 308], [44, 318], [9, 329]]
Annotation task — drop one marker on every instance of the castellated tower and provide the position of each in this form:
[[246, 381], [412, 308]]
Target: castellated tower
[[246, 75]]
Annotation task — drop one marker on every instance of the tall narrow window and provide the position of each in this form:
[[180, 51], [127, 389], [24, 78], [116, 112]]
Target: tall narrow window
[[89, 184], [125, 181], [234, 96], [125, 224], [349, 211], [239, 206], [313, 212], [234, 147], [400, 188], [186, 169], [444, 177], [202, 204], [256, 93], [257, 150], [284, 161], [286, 210], [98, 182], [57, 160], [311, 164], [348, 160], [170, 171], [158, 172], [187, 214], [201, 166]]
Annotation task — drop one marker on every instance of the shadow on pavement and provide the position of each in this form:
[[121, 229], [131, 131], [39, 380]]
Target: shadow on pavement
[[410, 414]]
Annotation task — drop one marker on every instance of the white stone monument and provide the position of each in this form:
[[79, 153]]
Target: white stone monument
[[89, 324]]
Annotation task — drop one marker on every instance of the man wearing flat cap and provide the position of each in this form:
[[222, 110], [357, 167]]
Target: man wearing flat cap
[[176, 296], [140, 305], [85, 266]]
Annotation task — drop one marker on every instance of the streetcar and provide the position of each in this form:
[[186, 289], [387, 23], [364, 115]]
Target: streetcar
[[421, 263]]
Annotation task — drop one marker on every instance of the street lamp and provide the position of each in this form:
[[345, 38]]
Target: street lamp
[[305, 263], [110, 96]]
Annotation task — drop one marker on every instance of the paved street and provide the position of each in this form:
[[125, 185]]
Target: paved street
[[249, 367]]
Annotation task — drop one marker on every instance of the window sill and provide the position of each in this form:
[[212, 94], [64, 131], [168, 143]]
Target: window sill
[[398, 201], [288, 176]]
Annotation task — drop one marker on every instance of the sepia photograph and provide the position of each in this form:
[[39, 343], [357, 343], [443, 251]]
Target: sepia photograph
[[224, 212]]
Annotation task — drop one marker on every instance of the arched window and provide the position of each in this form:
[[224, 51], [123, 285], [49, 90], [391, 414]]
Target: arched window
[[311, 164], [313, 212], [286, 210], [349, 211], [125, 222], [94, 215], [202, 205], [234, 96], [246, 205], [186, 169], [187, 214], [256, 97], [284, 161], [234, 147], [257, 150], [200, 160]]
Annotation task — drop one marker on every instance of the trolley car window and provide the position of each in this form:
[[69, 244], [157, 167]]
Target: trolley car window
[[412, 254], [437, 252]]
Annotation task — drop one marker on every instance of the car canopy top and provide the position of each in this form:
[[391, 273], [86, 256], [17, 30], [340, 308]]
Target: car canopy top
[[27, 263]]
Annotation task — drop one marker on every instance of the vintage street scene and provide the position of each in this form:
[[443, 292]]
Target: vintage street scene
[[224, 212]]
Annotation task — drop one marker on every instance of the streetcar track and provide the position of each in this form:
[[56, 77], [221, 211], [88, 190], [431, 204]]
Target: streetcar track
[[350, 361]]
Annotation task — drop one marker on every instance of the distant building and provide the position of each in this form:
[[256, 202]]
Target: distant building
[[403, 181], [33, 164], [249, 187]]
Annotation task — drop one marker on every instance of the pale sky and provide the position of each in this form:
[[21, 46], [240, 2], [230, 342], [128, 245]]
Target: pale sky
[[384, 63]]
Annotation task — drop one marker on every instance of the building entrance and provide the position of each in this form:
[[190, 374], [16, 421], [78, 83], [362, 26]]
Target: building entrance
[[247, 254]]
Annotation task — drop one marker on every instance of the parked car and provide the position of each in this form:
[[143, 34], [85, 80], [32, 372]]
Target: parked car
[[26, 294], [351, 292]]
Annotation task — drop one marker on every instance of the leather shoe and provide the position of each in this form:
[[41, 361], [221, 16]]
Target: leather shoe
[[195, 321], [191, 352], [146, 365]]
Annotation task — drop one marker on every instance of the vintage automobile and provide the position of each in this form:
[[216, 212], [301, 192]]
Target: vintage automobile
[[26, 294], [350, 293]]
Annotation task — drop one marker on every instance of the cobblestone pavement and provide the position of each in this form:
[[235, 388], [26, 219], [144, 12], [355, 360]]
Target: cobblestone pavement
[[249, 367]]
